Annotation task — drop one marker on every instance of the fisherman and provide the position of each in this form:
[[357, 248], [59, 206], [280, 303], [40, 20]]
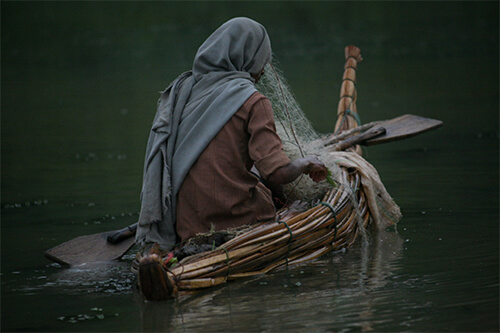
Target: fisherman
[[211, 127]]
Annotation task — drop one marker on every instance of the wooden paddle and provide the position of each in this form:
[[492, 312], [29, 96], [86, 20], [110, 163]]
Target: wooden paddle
[[359, 138], [104, 246], [113, 245], [404, 127], [395, 129]]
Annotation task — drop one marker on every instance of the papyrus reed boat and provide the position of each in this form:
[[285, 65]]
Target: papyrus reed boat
[[351, 200], [315, 220]]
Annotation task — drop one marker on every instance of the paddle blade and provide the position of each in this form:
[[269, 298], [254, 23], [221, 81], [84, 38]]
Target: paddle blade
[[89, 248], [404, 127]]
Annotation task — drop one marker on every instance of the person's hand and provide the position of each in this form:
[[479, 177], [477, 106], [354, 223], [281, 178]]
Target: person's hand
[[307, 165], [316, 170]]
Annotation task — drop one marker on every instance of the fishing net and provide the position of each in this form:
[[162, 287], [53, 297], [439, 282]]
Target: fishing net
[[289, 117], [318, 218], [299, 137]]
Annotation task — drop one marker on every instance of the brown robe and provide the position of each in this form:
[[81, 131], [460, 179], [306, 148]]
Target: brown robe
[[219, 190]]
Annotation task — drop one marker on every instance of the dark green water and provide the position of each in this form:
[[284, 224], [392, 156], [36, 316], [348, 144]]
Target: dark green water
[[79, 89]]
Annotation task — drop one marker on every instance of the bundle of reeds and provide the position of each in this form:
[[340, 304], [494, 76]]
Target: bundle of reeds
[[347, 111]]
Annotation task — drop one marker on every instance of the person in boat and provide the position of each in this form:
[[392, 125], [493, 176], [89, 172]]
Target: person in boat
[[211, 127]]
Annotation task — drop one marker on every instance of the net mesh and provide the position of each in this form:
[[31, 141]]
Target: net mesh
[[290, 119], [297, 134]]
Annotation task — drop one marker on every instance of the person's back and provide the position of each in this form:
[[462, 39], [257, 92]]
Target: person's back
[[220, 191], [211, 127]]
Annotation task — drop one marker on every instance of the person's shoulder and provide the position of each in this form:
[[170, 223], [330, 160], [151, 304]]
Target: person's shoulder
[[254, 99], [257, 103]]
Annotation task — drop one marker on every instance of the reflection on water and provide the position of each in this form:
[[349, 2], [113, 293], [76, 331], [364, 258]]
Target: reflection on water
[[108, 278], [349, 287], [100, 278], [310, 297]]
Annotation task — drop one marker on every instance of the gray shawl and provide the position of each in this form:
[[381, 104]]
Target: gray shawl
[[191, 111]]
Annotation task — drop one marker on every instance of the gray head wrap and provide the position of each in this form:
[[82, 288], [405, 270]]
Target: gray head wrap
[[191, 111]]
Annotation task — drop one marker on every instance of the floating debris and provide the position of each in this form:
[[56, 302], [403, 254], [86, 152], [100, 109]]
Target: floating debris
[[82, 316], [27, 204]]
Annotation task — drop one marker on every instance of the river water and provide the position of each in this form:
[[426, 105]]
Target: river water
[[79, 88]]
